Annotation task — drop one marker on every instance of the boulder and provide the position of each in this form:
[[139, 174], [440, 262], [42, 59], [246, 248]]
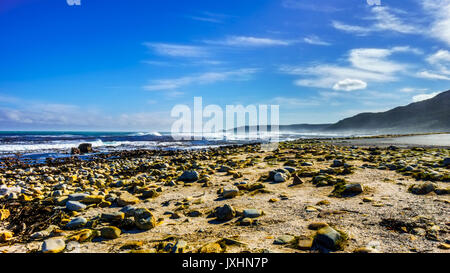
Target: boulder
[[446, 161], [230, 192], [424, 188], [76, 223], [279, 177], [75, 206], [284, 239], [85, 148], [329, 238], [189, 176], [144, 219], [252, 213], [53, 245], [225, 213], [110, 232]]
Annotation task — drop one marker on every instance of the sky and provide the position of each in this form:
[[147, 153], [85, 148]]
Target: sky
[[123, 65]]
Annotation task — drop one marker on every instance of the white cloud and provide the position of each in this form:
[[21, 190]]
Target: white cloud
[[350, 85], [205, 78], [440, 62], [384, 19], [432, 76], [413, 90], [422, 97], [439, 11], [440, 57], [174, 50], [314, 40], [351, 28], [248, 41], [366, 65]]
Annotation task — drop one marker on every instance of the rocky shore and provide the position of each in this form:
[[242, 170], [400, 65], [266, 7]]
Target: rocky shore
[[307, 196]]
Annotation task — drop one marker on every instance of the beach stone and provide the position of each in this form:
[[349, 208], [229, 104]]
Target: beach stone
[[113, 216], [252, 213], [290, 169], [446, 161], [211, 248], [328, 238], [144, 219], [110, 232], [77, 196], [306, 164], [246, 222], [127, 198], [279, 178], [84, 235], [85, 148], [297, 180], [317, 225], [93, 199], [424, 188], [150, 194], [75, 206], [305, 243], [128, 210], [76, 223], [337, 163], [224, 169], [4, 214], [53, 245], [284, 239], [189, 176], [5, 236], [194, 213], [225, 213], [272, 173], [351, 189], [230, 192]]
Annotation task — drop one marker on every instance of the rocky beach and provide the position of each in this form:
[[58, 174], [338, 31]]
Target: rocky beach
[[311, 195]]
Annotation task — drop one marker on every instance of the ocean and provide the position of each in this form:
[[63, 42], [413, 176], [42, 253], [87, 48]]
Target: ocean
[[58, 144]]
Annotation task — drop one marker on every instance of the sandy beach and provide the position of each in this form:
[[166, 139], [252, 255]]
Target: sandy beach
[[307, 196]]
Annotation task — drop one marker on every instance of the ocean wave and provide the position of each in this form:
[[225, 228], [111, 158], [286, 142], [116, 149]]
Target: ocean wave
[[57, 145]]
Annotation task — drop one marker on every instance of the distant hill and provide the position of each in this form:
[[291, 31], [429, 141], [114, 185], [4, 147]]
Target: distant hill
[[432, 115]]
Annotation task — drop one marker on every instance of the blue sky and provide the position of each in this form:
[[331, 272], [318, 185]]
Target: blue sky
[[123, 65]]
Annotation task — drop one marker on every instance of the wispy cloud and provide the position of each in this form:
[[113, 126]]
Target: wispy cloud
[[249, 41], [209, 17], [365, 65], [440, 21], [314, 40], [205, 78], [176, 50], [383, 19], [311, 6], [432, 76]]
